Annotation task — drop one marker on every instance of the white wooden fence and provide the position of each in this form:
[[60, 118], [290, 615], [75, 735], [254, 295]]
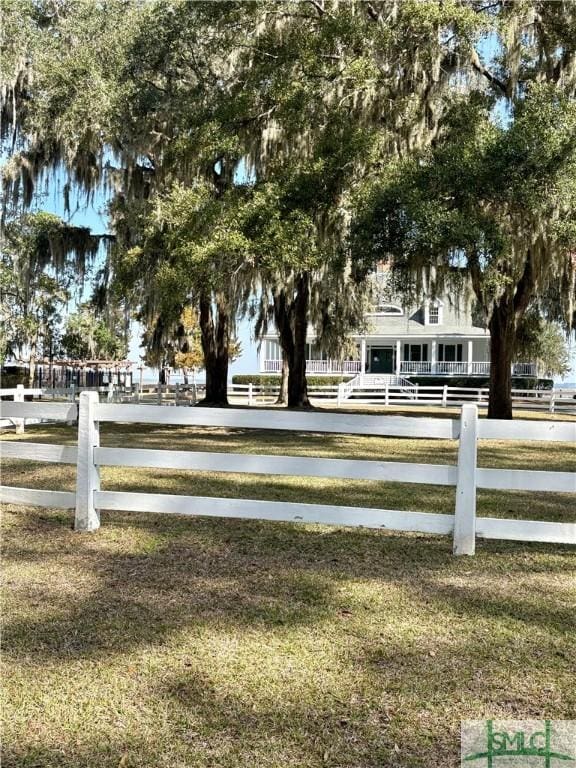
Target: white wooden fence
[[559, 399], [89, 500]]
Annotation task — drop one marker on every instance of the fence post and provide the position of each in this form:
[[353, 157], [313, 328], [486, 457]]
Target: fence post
[[87, 518], [386, 394], [19, 398], [72, 400], [465, 511], [551, 404], [250, 394], [444, 395]]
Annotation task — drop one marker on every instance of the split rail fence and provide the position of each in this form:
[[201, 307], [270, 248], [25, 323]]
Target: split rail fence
[[89, 500]]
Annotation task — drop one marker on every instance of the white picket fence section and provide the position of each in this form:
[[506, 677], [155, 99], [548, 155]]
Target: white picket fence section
[[89, 500]]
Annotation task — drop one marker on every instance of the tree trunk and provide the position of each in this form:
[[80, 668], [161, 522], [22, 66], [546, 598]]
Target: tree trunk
[[215, 346], [32, 365], [283, 394], [291, 320], [502, 341], [297, 386], [505, 317]]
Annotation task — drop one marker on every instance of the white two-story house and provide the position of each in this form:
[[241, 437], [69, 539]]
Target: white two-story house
[[437, 337]]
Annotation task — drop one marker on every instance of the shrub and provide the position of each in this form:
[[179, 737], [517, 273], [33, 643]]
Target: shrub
[[273, 380], [477, 382]]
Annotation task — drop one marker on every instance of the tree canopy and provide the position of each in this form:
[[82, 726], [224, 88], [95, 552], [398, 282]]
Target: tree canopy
[[238, 141], [42, 263]]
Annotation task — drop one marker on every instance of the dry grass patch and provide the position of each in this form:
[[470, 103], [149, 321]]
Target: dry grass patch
[[163, 642]]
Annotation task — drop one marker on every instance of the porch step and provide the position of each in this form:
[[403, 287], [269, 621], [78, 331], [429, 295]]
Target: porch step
[[376, 384], [380, 380]]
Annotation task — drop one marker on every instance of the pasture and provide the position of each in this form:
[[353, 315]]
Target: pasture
[[165, 641]]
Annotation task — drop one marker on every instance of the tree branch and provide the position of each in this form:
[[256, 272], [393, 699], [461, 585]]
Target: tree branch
[[476, 277], [524, 288], [479, 67], [372, 12], [319, 7]]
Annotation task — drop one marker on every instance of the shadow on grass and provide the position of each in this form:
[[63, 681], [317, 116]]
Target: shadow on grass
[[204, 572], [178, 588], [211, 728]]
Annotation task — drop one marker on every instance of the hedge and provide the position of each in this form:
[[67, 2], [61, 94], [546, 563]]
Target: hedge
[[476, 382], [272, 380]]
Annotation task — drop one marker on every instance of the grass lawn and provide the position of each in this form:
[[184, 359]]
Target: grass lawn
[[165, 642]]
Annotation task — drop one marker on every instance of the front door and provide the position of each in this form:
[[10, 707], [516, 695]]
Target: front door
[[381, 360]]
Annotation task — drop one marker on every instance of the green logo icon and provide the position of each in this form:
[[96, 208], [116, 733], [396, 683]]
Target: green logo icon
[[519, 743]]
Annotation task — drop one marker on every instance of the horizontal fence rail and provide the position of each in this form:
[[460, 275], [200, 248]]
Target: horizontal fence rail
[[465, 527], [58, 454], [499, 429], [47, 411], [303, 466], [40, 498], [280, 511], [340, 423]]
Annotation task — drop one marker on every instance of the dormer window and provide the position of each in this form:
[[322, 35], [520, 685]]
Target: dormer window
[[433, 312]]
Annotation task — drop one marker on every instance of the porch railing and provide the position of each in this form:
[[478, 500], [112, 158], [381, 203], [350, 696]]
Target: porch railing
[[454, 367], [318, 366], [407, 367], [524, 369]]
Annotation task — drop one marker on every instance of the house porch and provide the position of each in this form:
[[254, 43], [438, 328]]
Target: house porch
[[444, 356]]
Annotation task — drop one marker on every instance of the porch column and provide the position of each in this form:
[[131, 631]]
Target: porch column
[[363, 354], [469, 358], [398, 358], [433, 356]]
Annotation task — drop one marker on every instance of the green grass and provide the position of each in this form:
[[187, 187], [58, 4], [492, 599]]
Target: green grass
[[165, 642]]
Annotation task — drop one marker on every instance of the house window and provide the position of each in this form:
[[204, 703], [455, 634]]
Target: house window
[[314, 352], [416, 353], [450, 353], [433, 312]]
